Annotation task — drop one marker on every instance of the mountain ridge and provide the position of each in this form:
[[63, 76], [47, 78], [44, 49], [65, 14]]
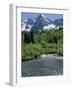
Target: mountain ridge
[[40, 22]]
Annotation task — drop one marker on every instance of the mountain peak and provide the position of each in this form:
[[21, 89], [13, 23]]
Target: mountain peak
[[41, 15], [42, 21]]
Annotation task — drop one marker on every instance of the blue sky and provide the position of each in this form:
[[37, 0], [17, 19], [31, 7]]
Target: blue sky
[[25, 15]]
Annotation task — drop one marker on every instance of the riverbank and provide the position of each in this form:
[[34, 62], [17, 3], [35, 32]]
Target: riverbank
[[44, 56], [55, 56]]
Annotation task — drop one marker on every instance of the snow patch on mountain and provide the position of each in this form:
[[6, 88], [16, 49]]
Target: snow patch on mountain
[[49, 27]]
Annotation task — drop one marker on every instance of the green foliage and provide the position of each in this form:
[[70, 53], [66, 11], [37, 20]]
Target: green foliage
[[31, 51], [49, 50], [34, 44], [43, 44]]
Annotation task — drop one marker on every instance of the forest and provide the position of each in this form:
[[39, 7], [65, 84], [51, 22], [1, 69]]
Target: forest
[[35, 44]]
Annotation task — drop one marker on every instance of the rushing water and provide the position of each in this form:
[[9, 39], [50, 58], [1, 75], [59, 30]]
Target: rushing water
[[42, 67]]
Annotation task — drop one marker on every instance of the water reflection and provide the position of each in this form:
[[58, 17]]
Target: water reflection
[[42, 67]]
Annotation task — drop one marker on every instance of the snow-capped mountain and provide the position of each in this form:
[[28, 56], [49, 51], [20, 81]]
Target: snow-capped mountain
[[40, 23]]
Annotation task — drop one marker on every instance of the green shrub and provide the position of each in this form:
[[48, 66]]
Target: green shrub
[[43, 44], [31, 51], [51, 45], [49, 50]]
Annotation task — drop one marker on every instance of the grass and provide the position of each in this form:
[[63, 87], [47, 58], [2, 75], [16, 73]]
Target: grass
[[32, 51]]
